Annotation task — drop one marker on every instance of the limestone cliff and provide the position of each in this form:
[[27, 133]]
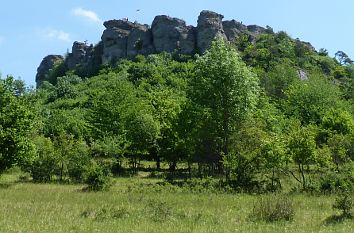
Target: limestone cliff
[[125, 39]]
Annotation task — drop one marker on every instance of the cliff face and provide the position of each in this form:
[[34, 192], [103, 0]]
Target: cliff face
[[125, 39]]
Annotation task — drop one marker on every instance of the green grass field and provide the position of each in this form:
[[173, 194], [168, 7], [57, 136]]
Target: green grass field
[[139, 205]]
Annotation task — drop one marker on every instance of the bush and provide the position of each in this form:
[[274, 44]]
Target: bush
[[44, 163], [333, 182], [78, 161], [98, 178], [273, 208], [344, 203]]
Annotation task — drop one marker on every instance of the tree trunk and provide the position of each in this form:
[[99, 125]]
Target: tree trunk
[[158, 163], [302, 172]]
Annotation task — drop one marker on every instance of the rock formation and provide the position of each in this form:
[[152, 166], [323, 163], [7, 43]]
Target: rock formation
[[140, 41], [46, 66], [233, 29], [81, 55], [125, 39], [209, 27], [172, 34]]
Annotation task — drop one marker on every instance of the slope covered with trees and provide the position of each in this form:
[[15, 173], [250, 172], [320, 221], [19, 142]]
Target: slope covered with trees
[[251, 113]]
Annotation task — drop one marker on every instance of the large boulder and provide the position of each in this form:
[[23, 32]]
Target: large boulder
[[46, 66], [209, 27], [172, 34], [233, 29]]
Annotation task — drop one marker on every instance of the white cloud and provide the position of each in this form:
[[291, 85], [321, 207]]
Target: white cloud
[[87, 14], [55, 34]]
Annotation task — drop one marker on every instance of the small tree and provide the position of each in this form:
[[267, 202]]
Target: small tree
[[344, 203], [142, 132], [302, 149]]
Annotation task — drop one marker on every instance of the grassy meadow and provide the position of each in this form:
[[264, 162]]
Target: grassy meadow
[[142, 205]]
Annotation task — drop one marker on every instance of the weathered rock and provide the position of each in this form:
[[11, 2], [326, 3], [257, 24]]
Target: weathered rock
[[115, 40], [255, 29], [81, 55], [125, 39], [209, 27], [172, 34], [233, 29], [140, 41], [46, 66]]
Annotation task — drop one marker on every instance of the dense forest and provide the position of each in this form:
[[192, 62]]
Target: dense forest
[[254, 115]]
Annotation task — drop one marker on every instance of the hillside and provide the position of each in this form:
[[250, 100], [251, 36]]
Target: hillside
[[244, 104]]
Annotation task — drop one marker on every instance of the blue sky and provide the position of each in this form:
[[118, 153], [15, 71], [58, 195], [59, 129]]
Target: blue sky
[[30, 30]]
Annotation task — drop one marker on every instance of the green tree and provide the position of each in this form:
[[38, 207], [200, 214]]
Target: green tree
[[224, 91], [309, 100], [16, 121], [142, 132], [302, 150], [343, 58]]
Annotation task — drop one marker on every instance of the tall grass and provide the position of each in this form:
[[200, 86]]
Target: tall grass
[[28, 207]]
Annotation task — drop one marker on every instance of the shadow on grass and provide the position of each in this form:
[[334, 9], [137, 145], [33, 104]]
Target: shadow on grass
[[337, 219], [6, 185]]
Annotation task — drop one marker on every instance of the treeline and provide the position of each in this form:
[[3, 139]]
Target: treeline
[[252, 113]]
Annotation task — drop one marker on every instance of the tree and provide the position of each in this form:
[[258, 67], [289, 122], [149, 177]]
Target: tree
[[343, 58], [16, 122], [309, 100], [323, 52], [142, 132], [224, 91], [302, 149]]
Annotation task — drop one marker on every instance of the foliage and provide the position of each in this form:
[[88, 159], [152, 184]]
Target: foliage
[[301, 147], [309, 100], [16, 122], [223, 91], [62, 157], [251, 118], [98, 178], [344, 203], [44, 164], [336, 182]]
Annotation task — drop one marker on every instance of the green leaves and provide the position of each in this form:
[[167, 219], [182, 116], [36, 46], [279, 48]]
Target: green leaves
[[15, 125], [223, 91], [310, 100]]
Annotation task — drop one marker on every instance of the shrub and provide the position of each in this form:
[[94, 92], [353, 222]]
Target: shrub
[[273, 208], [78, 161], [344, 203], [98, 178], [333, 182], [45, 162], [105, 213], [160, 211]]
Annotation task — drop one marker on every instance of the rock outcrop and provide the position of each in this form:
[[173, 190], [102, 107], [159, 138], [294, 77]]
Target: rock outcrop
[[209, 27], [233, 29], [115, 40], [46, 66], [172, 34], [81, 55], [125, 39], [140, 41]]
